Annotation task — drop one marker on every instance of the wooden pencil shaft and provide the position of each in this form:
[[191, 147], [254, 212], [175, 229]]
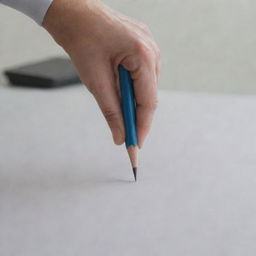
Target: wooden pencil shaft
[[129, 115], [133, 155]]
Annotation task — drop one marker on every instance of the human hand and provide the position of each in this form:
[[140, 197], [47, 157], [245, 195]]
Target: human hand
[[98, 39]]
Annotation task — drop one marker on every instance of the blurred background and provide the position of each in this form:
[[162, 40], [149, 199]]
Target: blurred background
[[206, 45]]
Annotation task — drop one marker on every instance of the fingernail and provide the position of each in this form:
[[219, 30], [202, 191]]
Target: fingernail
[[117, 136]]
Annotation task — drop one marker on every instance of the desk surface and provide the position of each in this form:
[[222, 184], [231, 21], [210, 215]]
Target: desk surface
[[65, 189]]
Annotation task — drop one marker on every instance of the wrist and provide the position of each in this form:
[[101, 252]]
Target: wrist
[[65, 18]]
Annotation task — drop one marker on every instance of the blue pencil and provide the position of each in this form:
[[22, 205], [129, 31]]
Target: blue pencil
[[128, 103]]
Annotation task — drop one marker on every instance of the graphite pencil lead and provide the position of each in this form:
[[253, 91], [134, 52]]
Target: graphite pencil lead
[[135, 173]]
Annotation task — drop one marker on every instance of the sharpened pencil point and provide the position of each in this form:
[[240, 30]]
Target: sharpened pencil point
[[135, 173]]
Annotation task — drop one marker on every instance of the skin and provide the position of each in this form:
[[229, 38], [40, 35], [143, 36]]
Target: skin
[[98, 39]]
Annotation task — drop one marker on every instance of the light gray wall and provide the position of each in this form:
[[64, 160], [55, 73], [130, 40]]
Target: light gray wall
[[206, 45]]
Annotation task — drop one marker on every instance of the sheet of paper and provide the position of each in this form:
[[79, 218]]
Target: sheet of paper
[[65, 189]]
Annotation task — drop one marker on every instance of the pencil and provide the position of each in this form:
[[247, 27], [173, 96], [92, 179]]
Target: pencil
[[128, 104]]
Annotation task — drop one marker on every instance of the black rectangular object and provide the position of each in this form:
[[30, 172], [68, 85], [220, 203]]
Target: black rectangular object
[[50, 73]]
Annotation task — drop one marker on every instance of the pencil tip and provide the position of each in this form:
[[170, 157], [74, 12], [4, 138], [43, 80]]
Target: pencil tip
[[135, 173]]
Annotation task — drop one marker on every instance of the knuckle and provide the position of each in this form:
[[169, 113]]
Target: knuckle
[[143, 50], [144, 126], [157, 50], [146, 29], [96, 88], [152, 105], [110, 115]]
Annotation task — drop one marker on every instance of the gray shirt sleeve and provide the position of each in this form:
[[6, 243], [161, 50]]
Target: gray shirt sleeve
[[35, 9]]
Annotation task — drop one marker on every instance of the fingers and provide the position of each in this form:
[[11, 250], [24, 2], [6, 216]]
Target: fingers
[[146, 98], [150, 42], [105, 92], [143, 72]]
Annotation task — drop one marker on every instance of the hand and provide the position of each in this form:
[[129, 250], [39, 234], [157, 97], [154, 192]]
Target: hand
[[98, 39]]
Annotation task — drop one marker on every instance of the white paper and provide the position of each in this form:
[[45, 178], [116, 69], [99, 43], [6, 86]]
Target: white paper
[[65, 189]]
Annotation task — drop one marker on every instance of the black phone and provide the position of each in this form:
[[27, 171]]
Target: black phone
[[49, 73]]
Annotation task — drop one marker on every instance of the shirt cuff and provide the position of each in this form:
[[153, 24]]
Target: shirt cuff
[[35, 9]]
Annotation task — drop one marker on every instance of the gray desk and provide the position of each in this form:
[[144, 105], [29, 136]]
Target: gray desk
[[65, 189]]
